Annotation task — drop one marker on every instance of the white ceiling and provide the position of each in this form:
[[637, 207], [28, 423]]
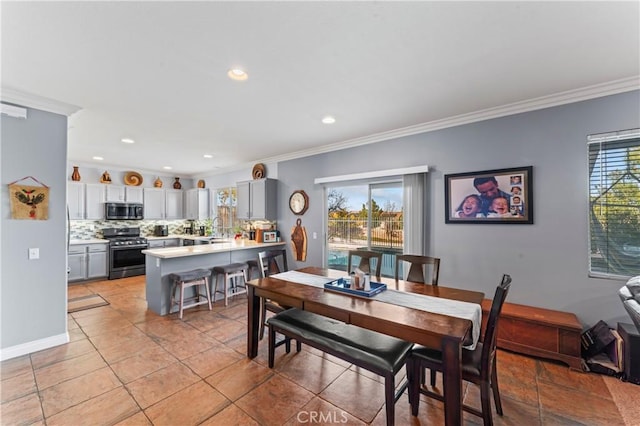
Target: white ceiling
[[156, 71]]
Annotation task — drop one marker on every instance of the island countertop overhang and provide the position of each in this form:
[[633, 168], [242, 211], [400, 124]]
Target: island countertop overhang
[[197, 250]]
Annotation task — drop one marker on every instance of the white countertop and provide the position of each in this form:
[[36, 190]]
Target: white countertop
[[182, 237], [90, 241], [172, 252]]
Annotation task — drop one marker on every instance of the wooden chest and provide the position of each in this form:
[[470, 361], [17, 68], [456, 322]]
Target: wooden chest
[[538, 332]]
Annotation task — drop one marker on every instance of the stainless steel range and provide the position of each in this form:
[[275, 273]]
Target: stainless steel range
[[125, 252]]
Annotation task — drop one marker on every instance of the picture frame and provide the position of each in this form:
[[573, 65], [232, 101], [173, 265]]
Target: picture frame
[[270, 236], [500, 196]]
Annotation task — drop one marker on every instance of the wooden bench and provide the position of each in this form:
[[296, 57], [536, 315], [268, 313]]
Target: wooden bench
[[375, 352], [539, 332]]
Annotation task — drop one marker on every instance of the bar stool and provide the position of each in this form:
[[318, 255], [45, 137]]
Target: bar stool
[[253, 265], [230, 274], [188, 279]]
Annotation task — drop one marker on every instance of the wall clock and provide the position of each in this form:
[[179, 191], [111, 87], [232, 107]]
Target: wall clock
[[299, 202]]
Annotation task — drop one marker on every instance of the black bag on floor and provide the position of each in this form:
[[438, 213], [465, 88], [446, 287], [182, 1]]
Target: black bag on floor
[[595, 339]]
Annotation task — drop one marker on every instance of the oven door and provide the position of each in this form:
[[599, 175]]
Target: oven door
[[126, 261]]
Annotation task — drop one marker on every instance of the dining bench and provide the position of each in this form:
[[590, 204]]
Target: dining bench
[[375, 352]]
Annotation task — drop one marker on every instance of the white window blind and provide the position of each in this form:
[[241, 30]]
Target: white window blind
[[614, 201]]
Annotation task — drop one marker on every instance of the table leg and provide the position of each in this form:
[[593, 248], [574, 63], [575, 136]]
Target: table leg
[[452, 378], [253, 322]]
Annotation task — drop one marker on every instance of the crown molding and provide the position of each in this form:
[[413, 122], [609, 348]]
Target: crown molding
[[28, 100], [561, 98]]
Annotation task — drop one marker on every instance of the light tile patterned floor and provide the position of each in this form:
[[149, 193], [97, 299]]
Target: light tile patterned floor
[[126, 365]]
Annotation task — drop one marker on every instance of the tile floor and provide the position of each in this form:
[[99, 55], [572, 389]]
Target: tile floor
[[128, 366]]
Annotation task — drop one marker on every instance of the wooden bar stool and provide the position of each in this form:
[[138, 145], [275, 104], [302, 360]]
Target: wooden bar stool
[[230, 274], [195, 278]]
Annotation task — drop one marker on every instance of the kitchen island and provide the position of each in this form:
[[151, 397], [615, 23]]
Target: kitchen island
[[161, 262]]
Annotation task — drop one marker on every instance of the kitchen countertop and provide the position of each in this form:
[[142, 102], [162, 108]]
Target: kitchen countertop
[[90, 241], [172, 252], [182, 236]]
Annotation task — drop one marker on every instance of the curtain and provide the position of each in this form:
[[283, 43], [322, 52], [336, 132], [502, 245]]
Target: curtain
[[414, 197]]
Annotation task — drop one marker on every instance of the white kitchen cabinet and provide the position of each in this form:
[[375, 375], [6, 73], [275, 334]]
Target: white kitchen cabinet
[[115, 194], [97, 261], [94, 201], [87, 261], [165, 242], [77, 263], [174, 204], [197, 204], [163, 203], [257, 199], [154, 203], [75, 200], [122, 194], [133, 194]]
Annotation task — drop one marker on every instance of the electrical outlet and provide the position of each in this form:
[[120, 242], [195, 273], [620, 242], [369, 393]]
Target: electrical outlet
[[315, 235], [34, 253]]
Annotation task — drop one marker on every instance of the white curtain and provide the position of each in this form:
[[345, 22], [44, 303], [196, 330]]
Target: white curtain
[[413, 198]]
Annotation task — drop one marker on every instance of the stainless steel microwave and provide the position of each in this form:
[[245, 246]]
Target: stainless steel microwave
[[123, 211]]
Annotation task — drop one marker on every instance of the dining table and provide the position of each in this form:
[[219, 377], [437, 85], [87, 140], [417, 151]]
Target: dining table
[[434, 330]]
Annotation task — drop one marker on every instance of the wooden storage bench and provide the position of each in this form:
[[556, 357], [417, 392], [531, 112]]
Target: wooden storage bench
[[538, 332]]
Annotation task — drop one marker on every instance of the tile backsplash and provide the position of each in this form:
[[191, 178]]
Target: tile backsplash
[[88, 229]]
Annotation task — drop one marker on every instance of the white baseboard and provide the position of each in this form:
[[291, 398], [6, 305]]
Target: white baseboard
[[34, 346]]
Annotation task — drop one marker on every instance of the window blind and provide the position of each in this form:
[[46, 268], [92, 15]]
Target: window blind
[[614, 201]]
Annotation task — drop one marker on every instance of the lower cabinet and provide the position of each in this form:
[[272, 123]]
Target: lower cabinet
[[167, 242], [88, 261]]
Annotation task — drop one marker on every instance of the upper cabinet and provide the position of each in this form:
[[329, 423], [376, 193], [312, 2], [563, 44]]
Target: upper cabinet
[[133, 194], [163, 203], [197, 204], [174, 204], [115, 194], [154, 203], [75, 200], [257, 199], [121, 194], [95, 198]]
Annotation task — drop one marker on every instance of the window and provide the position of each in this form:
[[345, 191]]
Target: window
[[614, 201], [365, 217], [225, 202]]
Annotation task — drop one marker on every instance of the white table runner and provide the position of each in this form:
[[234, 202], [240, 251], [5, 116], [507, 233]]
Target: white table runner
[[437, 305]]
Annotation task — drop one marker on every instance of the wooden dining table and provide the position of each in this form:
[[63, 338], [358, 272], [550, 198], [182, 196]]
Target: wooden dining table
[[446, 333]]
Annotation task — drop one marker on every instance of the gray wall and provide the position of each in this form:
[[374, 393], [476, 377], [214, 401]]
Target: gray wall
[[33, 292], [547, 260]]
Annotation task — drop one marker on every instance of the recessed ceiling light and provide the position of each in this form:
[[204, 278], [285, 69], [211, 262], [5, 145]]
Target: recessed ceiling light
[[98, 158], [208, 156], [127, 140], [328, 120], [237, 74], [167, 167]]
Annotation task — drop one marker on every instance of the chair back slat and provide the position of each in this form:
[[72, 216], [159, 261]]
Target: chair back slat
[[365, 256], [490, 334], [269, 262], [418, 266]]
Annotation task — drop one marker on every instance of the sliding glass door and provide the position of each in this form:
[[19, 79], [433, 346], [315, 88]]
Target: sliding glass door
[[365, 217]]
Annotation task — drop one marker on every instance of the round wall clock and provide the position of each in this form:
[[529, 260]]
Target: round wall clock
[[299, 202]]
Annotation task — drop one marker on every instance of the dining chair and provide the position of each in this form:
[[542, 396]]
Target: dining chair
[[418, 268], [478, 365], [364, 264], [270, 262]]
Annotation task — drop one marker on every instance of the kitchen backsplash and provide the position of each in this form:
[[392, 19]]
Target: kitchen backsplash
[[88, 229]]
